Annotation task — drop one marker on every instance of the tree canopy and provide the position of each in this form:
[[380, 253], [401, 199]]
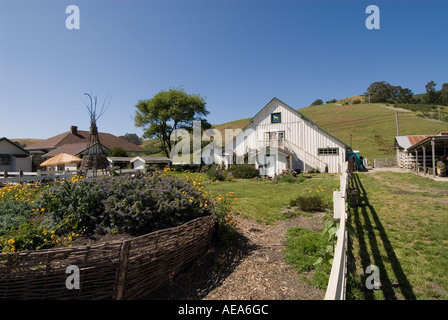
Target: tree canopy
[[168, 111]]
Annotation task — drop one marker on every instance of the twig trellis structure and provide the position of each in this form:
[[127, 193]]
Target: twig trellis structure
[[95, 156]]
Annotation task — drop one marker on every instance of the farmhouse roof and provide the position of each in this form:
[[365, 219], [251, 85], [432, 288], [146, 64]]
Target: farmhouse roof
[[75, 136], [73, 149], [14, 144]]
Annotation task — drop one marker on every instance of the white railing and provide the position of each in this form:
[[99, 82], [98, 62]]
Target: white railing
[[20, 176], [337, 281]]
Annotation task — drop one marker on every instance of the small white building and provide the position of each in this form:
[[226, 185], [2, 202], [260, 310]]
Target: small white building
[[281, 138], [141, 162], [13, 157]]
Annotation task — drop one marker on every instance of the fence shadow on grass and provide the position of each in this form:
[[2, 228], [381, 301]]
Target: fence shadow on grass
[[365, 221]]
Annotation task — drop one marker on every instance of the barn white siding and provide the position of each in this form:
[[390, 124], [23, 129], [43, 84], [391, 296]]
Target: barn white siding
[[301, 138]]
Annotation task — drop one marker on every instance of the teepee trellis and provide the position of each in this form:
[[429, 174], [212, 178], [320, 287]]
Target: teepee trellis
[[95, 155]]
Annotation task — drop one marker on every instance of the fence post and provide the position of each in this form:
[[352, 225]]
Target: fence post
[[122, 265], [5, 174]]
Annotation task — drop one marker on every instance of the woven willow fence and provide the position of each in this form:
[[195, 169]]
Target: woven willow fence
[[129, 269]]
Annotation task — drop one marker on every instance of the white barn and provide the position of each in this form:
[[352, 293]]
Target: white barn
[[288, 138]]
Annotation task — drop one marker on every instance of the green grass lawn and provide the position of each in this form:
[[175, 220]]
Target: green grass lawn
[[401, 226], [264, 200]]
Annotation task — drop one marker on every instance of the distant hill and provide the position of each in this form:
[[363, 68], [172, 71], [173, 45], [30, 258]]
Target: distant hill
[[25, 142], [372, 126]]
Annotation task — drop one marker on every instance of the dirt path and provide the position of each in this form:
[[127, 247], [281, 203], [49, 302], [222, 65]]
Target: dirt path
[[254, 270]]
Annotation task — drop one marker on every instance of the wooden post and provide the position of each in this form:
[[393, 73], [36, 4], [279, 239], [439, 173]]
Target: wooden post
[[433, 144], [122, 265], [424, 160], [416, 161]]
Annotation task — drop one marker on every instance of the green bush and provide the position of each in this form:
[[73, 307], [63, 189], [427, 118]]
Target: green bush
[[309, 203], [133, 204], [243, 171], [215, 173]]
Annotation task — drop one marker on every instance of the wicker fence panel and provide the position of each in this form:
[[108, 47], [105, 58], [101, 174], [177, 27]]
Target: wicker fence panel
[[131, 269]]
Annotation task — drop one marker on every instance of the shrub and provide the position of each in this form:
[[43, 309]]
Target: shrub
[[226, 222], [215, 173], [142, 204], [309, 203], [243, 171], [133, 204], [290, 176]]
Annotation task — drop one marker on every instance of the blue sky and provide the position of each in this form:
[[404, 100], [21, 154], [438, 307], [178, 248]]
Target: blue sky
[[237, 54]]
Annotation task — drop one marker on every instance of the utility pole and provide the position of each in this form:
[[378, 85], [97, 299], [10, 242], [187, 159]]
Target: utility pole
[[396, 120]]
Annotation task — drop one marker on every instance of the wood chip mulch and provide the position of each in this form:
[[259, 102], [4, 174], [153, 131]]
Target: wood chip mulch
[[254, 270]]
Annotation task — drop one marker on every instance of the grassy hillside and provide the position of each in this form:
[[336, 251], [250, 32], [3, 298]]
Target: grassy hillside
[[25, 142], [372, 126]]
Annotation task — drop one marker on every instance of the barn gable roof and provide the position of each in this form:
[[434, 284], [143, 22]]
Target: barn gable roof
[[300, 115]]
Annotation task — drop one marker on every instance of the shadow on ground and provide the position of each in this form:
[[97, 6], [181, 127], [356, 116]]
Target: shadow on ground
[[373, 240]]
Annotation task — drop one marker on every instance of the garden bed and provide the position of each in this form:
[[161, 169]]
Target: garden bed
[[129, 269]]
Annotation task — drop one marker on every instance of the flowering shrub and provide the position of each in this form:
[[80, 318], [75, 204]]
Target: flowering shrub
[[133, 204], [143, 204], [226, 222]]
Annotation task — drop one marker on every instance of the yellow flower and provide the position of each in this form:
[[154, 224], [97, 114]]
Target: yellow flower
[[11, 241], [44, 232]]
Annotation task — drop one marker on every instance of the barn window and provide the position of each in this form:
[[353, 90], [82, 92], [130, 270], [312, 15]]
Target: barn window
[[274, 138], [327, 151], [276, 117], [5, 159]]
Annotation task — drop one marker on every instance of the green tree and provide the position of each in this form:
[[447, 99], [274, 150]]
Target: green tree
[[117, 152], [443, 98], [132, 137], [168, 111], [380, 91], [318, 102], [405, 95], [431, 94]]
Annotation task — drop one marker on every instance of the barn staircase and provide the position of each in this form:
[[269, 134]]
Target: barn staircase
[[306, 157]]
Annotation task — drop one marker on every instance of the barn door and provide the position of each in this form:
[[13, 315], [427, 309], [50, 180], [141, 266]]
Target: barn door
[[268, 166]]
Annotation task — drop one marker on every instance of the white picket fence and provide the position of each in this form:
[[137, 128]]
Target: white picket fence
[[337, 282]]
